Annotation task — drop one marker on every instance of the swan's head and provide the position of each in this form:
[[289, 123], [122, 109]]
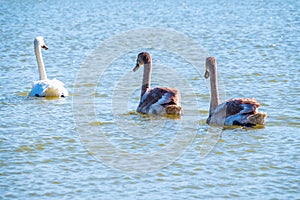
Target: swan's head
[[39, 41], [142, 58], [210, 65]]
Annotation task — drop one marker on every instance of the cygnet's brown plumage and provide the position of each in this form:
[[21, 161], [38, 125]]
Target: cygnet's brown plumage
[[238, 111], [159, 100]]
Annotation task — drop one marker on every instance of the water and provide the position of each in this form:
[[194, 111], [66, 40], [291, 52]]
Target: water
[[59, 148]]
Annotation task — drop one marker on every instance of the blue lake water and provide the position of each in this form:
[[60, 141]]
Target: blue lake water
[[92, 144]]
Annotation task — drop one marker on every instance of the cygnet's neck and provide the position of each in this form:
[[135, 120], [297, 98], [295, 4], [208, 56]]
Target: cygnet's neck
[[146, 77], [214, 101]]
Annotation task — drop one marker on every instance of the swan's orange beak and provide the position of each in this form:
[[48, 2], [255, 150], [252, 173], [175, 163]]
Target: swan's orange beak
[[45, 47], [206, 75], [136, 67]]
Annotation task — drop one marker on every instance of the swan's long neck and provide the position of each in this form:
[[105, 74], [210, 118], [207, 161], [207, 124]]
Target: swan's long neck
[[40, 62], [146, 77], [214, 98]]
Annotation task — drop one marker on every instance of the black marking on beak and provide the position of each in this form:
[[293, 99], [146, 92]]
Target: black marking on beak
[[136, 67], [206, 75], [45, 47]]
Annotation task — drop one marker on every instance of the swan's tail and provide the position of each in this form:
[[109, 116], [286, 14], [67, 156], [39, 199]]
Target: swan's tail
[[246, 120], [173, 110], [52, 92], [257, 118], [55, 91]]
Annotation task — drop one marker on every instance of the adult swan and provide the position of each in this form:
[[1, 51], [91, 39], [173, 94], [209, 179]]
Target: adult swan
[[239, 111], [45, 87], [159, 100]]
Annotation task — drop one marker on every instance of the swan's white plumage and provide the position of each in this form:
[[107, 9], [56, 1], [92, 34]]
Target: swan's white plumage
[[45, 87], [48, 88]]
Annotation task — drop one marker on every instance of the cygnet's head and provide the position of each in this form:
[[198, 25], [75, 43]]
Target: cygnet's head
[[142, 58]]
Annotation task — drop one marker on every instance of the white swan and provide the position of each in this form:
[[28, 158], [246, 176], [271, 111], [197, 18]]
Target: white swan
[[240, 111], [45, 87], [159, 100]]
